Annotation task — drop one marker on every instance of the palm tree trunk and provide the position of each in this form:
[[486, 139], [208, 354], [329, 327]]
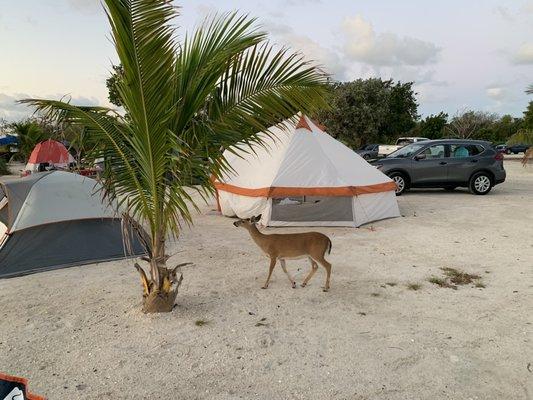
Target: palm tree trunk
[[160, 298]]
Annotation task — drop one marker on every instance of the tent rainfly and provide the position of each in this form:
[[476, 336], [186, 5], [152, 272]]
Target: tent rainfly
[[56, 219], [302, 176], [49, 152]]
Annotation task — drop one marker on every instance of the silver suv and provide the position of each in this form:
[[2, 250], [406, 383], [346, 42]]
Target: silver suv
[[447, 164]]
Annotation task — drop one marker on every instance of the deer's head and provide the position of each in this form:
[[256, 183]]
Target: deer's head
[[248, 222]]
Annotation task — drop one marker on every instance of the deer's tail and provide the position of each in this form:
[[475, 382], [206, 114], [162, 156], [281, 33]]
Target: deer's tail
[[330, 245]]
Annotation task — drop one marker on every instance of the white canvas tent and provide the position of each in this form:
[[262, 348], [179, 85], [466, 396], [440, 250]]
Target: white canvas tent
[[304, 177], [54, 220]]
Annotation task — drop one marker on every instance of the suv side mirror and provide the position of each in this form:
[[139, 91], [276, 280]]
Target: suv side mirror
[[420, 156]]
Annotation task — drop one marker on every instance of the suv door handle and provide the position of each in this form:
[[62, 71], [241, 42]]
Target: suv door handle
[[443, 163], [474, 160]]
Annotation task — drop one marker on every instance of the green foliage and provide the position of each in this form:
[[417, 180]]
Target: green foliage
[[3, 167], [29, 133], [185, 103], [529, 90], [522, 137], [403, 110], [370, 110], [112, 85], [432, 127], [528, 116]]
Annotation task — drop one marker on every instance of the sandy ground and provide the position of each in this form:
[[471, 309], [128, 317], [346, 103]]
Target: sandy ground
[[79, 333]]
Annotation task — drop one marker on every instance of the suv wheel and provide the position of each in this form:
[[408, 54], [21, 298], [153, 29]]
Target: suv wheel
[[480, 183], [400, 181], [366, 156]]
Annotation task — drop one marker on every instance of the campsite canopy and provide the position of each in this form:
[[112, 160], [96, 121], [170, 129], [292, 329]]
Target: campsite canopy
[[56, 219], [304, 177], [51, 152], [8, 139]]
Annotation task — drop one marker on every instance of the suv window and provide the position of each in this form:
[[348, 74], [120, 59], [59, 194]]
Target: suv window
[[465, 150], [433, 152]]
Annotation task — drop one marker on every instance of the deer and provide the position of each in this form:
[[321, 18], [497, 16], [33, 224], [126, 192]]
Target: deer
[[311, 245], [527, 155]]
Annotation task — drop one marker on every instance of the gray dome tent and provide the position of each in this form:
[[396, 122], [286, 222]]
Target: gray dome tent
[[55, 220]]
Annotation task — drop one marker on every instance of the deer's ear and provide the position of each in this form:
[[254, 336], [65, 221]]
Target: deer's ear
[[256, 218]]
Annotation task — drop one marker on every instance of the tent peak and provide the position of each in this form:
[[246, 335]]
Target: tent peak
[[302, 123]]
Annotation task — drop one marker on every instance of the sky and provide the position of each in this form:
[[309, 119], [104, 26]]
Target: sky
[[475, 54]]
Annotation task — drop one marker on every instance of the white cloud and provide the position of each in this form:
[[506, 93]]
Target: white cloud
[[528, 7], [505, 13], [85, 6], [381, 49], [327, 58], [496, 93], [11, 110], [524, 55], [301, 2]]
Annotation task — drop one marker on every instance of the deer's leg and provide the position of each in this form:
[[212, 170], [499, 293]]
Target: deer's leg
[[327, 266], [314, 267], [272, 265], [291, 279]]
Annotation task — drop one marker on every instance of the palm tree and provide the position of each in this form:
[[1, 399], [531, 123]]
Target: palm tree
[[527, 137], [184, 103], [29, 133]]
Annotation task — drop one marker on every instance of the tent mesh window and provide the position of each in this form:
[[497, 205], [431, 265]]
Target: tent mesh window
[[312, 208]]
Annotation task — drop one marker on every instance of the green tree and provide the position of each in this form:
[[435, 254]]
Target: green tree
[[522, 137], [402, 111], [29, 133], [185, 103], [469, 124], [369, 110], [432, 127], [113, 87], [528, 116]]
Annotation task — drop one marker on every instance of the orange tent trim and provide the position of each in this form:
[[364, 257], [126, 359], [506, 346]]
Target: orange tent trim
[[24, 381], [302, 123], [342, 191]]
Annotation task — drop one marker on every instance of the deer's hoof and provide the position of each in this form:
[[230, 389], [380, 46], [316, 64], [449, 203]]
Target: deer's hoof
[[264, 287], [294, 285], [325, 289], [304, 284]]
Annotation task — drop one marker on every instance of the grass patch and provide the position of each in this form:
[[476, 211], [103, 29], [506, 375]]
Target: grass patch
[[442, 282], [458, 277], [453, 278], [414, 286], [201, 322]]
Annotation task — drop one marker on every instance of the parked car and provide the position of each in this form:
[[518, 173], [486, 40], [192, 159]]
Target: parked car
[[386, 149], [517, 148], [446, 163], [368, 152], [502, 148]]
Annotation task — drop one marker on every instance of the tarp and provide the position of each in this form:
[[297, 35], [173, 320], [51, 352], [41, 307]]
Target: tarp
[[8, 139]]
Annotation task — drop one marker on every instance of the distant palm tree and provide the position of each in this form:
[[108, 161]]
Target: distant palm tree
[[529, 90], [184, 103], [29, 134]]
